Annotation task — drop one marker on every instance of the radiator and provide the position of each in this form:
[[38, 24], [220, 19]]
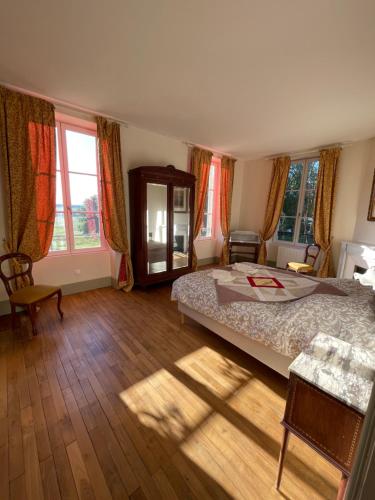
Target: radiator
[[287, 254]]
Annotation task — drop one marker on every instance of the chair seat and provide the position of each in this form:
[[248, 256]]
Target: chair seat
[[300, 267], [32, 294]]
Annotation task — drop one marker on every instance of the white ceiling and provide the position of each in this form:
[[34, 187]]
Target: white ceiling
[[247, 77]]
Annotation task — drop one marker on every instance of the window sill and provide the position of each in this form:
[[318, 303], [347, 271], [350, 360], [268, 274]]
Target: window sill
[[206, 238], [289, 244], [53, 255]]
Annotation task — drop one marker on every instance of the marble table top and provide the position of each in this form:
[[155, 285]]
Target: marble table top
[[338, 368]]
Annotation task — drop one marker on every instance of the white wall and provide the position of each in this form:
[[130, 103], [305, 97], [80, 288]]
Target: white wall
[[365, 230], [255, 185], [354, 161]]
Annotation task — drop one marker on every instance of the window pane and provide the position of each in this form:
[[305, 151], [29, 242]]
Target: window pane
[[86, 230], [59, 195], [206, 231], [312, 174], [308, 204], [290, 203], [83, 192], [204, 220], [211, 178], [210, 201], [306, 231], [59, 235], [295, 175], [209, 226], [57, 150], [81, 149], [205, 208], [285, 230]]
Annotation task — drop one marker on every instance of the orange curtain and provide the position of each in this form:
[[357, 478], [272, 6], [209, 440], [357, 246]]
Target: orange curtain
[[226, 188], [275, 203], [28, 162], [113, 198], [200, 167], [324, 200]]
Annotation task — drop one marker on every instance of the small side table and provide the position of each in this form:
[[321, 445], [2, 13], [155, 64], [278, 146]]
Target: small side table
[[328, 425], [249, 249]]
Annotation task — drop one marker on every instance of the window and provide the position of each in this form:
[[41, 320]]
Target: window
[[297, 215], [77, 222], [209, 211]]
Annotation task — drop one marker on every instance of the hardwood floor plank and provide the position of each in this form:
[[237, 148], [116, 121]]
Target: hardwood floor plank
[[81, 478], [41, 432], [63, 418], [3, 387], [64, 474], [33, 479], [49, 479], [108, 466], [95, 472], [164, 486], [18, 488], [4, 481], [16, 459], [124, 469]]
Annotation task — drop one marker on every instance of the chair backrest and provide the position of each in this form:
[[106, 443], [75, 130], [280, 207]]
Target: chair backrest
[[20, 266], [311, 254]]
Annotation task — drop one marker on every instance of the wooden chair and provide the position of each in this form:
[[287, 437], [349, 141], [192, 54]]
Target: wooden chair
[[30, 295], [307, 266]]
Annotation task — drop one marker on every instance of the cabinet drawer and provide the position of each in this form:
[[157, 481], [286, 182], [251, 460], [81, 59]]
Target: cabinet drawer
[[326, 424]]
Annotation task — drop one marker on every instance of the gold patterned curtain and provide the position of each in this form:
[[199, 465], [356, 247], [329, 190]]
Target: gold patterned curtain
[[113, 198], [28, 163], [275, 203], [226, 189], [324, 200], [200, 167]]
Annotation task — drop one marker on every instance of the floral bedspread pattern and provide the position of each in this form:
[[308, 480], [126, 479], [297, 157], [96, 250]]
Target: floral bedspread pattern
[[287, 327]]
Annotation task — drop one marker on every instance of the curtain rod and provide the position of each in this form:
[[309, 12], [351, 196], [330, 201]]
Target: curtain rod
[[312, 152], [66, 104], [218, 154]]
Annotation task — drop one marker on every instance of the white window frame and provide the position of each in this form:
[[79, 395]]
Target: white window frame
[[216, 163], [301, 199], [64, 123]]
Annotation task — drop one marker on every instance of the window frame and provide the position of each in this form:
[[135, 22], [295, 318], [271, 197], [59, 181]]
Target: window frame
[[89, 128], [216, 163], [301, 198]]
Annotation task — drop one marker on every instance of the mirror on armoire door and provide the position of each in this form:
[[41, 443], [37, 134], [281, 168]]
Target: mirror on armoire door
[[157, 227], [181, 226]]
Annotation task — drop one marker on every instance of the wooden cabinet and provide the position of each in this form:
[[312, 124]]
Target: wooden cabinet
[[161, 223], [329, 426], [248, 251]]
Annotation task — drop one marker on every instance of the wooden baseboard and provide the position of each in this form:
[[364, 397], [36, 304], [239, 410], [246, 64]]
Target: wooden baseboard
[[208, 261]]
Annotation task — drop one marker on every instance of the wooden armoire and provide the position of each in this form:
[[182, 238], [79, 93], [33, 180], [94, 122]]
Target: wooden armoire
[[161, 223]]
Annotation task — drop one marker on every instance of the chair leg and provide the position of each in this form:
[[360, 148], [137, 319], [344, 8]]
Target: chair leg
[[284, 446], [59, 297], [31, 311], [14, 315]]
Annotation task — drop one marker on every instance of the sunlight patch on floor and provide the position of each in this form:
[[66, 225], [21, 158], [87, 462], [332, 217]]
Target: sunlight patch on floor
[[214, 411]]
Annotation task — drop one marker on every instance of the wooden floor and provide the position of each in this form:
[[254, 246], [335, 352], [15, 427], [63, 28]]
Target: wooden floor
[[119, 401]]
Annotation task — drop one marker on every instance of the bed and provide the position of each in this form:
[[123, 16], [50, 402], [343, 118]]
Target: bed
[[157, 252], [275, 333]]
